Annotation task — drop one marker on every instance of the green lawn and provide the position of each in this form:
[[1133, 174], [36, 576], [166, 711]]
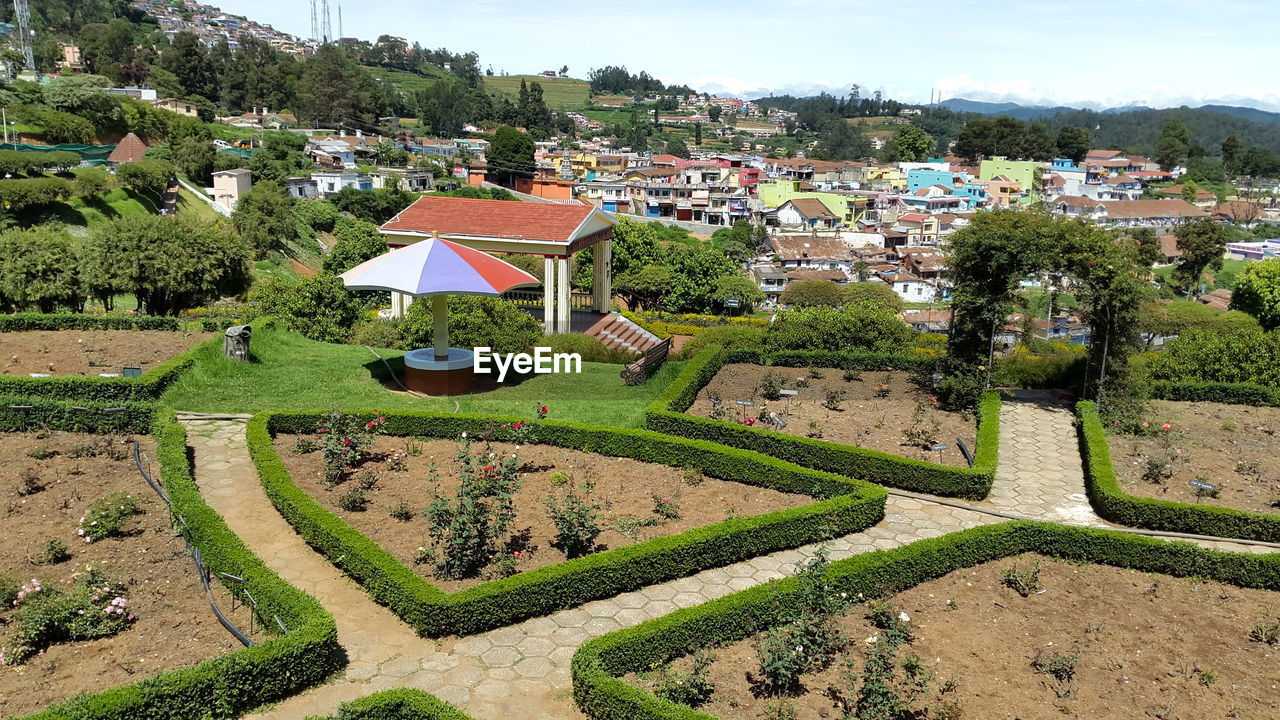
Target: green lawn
[[557, 93], [1224, 278], [290, 372], [407, 82], [117, 203]]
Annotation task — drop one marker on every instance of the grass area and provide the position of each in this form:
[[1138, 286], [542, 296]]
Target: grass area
[[289, 372], [189, 204], [1224, 278], [274, 266], [120, 202], [405, 81], [557, 93]]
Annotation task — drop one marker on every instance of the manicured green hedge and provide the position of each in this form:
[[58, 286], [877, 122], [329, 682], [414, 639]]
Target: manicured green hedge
[[228, 685], [150, 386], [1229, 393], [845, 505], [81, 321], [398, 704], [597, 665], [1112, 503], [664, 325], [666, 415], [25, 413]]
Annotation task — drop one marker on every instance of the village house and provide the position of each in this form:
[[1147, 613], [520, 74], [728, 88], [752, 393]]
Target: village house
[[182, 107], [806, 213], [231, 185], [812, 252]]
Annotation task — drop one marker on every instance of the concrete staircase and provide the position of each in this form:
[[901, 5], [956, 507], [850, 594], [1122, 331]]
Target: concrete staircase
[[617, 331]]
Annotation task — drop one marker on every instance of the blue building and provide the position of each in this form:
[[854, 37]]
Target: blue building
[[920, 178]]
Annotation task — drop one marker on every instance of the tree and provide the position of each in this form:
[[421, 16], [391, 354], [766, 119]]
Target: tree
[[1257, 292], [1173, 144], [635, 245], [909, 144], [188, 59], [840, 140], [738, 287], [39, 270], [334, 89], [1232, 147], [713, 112], [1202, 243], [1037, 144], [319, 307], [811, 293], [694, 270], [738, 243], [265, 217], [376, 206], [147, 176], [358, 240], [195, 157], [697, 134], [510, 156], [855, 327], [676, 146], [643, 288], [171, 262], [876, 293], [1073, 142], [1189, 191], [1147, 245]]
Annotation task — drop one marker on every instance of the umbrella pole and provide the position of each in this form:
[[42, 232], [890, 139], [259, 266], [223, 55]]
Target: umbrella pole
[[440, 325]]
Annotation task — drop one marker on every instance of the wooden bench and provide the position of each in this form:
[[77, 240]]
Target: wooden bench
[[638, 372]]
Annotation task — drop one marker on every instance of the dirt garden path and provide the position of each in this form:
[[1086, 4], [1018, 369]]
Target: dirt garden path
[[523, 670]]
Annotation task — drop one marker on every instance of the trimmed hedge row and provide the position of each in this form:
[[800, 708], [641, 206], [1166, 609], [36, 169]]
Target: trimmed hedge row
[[398, 704], [80, 321], [666, 415], [24, 413], [1229, 393], [845, 505], [1112, 503], [597, 665], [664, 325], [150, 386], [228, 685]]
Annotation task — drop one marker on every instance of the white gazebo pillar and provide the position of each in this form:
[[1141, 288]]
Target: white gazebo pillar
[[548, 295], [563, 286], [399, 304], [602, 276]]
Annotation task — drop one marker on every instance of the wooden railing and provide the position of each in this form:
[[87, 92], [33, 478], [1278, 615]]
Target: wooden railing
[[533, 298]]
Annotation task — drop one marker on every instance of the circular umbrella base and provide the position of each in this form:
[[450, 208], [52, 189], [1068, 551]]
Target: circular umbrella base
[[423, 373]]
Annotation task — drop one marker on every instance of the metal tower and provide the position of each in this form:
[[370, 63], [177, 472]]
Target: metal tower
[[315, 24], [339, 21], [22, 18], [328, 26]]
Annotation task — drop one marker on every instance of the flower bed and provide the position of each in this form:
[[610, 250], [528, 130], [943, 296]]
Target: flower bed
[[843, 505], [623, 496], [598, 666], [1113, 503], [667, 415], [230, 684]]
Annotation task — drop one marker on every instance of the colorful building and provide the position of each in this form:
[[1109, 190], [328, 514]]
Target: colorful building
[[1022, 172]]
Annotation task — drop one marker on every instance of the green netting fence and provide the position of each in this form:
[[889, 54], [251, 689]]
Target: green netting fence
[[96, 154]]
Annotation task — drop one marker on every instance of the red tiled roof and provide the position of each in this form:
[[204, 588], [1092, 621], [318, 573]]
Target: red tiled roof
[[491, 218], [812, 208], [913, 217], [130, 149]]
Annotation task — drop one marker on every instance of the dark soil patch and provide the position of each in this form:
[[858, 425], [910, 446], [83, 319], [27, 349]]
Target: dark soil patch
[[625, 488], [1231, 446], [1149, 646], [863, 420], [175, 626], [90, 352]]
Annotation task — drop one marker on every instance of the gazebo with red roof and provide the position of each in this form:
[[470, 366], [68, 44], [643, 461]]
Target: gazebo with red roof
[[129, 150], [553, 230]]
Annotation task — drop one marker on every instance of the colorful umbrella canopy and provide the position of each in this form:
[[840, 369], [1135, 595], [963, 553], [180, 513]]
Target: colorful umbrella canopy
[[437, 267]]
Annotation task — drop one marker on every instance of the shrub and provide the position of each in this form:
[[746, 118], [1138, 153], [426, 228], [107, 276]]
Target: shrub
[[8, 590], [55, 551], [590, 348], [1246, 356], [666, 508], [344, 439], [474, 322], [692, 477], [354, 500], [770, 387], [727, 336], [1266, 632], [691, 688], [1062, 668], [319, 307], [469, 529], [851, 376], [92, 608], [107, 517], [401, 511], [812, 639], [29, 483], [629, 526], [1022, 580], [378, 333], [834, 399], [577, 521], [857, 327]]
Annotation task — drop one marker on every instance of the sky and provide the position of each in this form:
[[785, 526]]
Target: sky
[[1086, 53]]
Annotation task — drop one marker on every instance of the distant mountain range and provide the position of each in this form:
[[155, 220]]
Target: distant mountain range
[[1037, 112]]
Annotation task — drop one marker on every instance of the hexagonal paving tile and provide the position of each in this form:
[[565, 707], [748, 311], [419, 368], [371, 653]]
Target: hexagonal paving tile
[[570, 618], [533, 667], [602, 608], [500, 657], [399, 667], [536, 646]]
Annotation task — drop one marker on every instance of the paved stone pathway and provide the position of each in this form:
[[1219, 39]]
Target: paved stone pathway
[[522, 671], [1040, 474]]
